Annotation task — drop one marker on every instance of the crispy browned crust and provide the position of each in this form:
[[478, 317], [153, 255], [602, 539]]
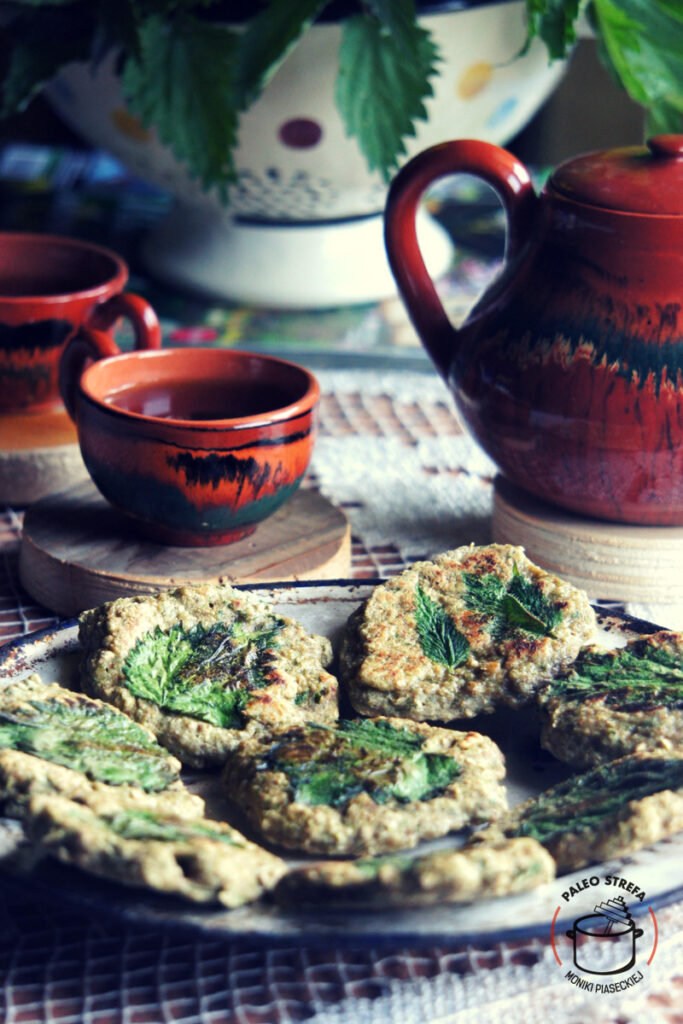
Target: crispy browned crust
[[386, 671]]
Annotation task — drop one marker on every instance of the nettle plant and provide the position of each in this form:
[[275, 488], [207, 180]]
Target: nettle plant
[[190, 68]]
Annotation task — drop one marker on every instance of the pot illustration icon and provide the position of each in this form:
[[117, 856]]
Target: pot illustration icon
[[605, 942]]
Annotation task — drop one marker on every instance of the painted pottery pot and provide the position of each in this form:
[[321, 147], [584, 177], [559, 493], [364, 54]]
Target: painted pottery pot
[[569, 370], [196, 447], [50, 287], [303, 227]]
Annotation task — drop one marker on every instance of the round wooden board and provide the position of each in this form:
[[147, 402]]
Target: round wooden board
[[77, 551], [611, 561], [39, 454]]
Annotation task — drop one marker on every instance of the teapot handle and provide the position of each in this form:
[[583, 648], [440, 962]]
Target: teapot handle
[[510, 179]]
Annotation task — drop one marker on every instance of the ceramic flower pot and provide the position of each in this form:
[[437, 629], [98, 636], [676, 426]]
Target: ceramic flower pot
[[569, 371], [304, 223]]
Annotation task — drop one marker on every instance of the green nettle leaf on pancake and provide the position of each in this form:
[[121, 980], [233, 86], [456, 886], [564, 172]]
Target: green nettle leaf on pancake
[[583, 802], [330, 766], [142, 825], [634, 678], [520, 605], [100, 742], [440, 640], [204, 673]]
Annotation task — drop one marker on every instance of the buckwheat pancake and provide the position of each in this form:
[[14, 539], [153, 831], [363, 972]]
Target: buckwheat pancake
[[612, 703], [23, 776], [204, 666], [477, 628], [200, 860], [367, 786], [610, 811], [84, 735], [482, 872]]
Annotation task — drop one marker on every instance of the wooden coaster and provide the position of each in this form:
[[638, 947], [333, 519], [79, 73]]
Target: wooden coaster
[[39, 455], [77, 551], [611, 561]]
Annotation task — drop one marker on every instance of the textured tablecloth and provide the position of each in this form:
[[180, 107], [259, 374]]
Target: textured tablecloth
[[391, 453]]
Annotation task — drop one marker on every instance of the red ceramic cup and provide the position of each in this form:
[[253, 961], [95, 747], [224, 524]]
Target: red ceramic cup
[[196, 446], [50, 287]]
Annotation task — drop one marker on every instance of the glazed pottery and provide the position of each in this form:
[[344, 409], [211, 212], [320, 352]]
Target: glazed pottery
[[195, 446], [569, 370], [49, 288]]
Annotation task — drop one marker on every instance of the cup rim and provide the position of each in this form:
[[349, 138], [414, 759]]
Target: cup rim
[[116, 281], [302, 405]]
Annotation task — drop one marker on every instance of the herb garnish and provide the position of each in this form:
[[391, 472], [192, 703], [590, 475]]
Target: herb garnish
[[331, 766], [204, 673], [98, 741], [133, 824], [638, 677], [519, 605], [440, 640], [584, 802]]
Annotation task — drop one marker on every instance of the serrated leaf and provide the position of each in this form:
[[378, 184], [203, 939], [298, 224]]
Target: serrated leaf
[[584, 802], [380, 95], [554, 22], [639, 676], [207, 674], [330, 766], [641, 42], [102, 743], [267, 40], [526, 607], [440, 639], [519, 605], [182, 84], [484, 593]]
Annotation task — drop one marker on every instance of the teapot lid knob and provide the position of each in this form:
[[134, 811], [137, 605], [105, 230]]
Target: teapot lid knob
[[666, 145]]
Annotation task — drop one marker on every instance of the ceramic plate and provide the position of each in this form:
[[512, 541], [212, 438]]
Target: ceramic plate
[[658, 870]]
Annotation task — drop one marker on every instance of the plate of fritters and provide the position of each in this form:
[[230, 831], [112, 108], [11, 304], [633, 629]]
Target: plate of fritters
[[432, 758]]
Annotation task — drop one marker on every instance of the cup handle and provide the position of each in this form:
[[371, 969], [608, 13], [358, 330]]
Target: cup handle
[[91, 343], [134, 308]]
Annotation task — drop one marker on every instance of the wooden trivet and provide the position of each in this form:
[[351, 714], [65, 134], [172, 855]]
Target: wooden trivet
[[77, 551], [611, 561], [39, 455]]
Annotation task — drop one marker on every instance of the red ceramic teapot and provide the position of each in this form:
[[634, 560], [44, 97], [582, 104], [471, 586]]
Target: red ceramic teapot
[[569, 370]]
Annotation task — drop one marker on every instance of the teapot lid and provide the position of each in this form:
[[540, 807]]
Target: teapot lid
[[632, 179]]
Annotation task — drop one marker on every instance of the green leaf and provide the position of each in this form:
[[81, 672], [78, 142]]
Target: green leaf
[[267, 40], [207, 674], [526, 607], [554, 21], [440, 640], [637, 677], [133, 824], [520, 605], [379, 93], [641, 42], [484, 594], [584, 802], [182, 84], [98, 741], [331, 766]]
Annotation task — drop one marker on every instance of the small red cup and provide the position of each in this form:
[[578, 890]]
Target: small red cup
[[50, 289]]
